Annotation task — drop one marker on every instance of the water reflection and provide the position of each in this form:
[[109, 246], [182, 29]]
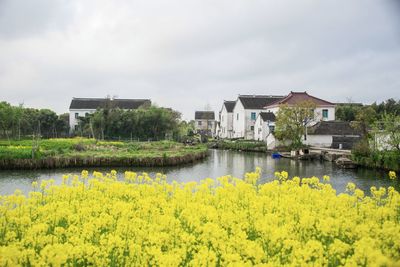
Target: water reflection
[[220, 163]]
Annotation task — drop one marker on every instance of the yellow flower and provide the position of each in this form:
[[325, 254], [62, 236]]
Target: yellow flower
[[392, 175], [144, 220]]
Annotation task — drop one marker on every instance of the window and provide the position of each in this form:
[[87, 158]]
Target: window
[[253, 116], [76, 127], [237, 116], [324, 113], [210, 123], [199, 123], [271, 128], [252, 128], [222, 118], [76, 115]]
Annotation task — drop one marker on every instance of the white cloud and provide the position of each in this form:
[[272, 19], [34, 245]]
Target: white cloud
[[185, 54]]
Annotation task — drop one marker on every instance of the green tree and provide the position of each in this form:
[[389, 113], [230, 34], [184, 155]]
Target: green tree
[[47, 123], [145, 123], [6, 119], [365, 117], [347, 112], [291, 122]]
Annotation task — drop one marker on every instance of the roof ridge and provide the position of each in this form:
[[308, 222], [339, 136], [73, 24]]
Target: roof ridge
[[292, 93], [135, 99], [271, 96], [88, 98]]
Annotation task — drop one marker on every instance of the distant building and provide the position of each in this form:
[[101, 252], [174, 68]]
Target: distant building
[[226, 119], [245, 113], [81, 107], [205, 123], [264, 126]]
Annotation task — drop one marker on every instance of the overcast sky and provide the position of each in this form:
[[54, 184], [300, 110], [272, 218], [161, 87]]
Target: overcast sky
[[189, 54]]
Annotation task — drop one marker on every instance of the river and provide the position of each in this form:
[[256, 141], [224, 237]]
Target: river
[[219, 163]]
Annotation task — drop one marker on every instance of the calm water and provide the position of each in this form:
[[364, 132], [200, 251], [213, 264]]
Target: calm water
[[219, 163]]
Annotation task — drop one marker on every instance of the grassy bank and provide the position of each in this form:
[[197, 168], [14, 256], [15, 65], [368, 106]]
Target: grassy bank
[[81, 152], [242, 145], [387, 160]]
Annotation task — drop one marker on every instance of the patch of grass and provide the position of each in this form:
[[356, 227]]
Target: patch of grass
[[81, 147], [245, 145]]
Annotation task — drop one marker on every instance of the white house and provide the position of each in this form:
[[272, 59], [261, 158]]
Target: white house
[[264, 126], [81, 107], [324, 111], [226, 119], [332, 134], [205, 122], [245, 113]]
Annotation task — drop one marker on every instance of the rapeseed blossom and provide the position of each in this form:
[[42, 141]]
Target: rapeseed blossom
[[100, 221]]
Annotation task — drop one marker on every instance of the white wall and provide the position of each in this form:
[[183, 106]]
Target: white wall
[[226, 123], [381, 141], [249, 133], [317, 113], [81, 113], [273, 110], [261, 129], [238, 120], [242, 126], [319, 140]]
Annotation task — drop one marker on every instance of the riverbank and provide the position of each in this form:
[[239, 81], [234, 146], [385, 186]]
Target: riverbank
[[239, 145], [81, 152], [385, 160]]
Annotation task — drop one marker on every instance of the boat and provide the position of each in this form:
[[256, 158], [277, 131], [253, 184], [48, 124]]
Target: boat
[[276, 155]]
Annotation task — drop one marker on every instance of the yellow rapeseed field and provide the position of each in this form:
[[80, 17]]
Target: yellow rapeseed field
[[99, 221]]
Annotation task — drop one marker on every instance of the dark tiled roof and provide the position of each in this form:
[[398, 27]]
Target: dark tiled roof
[[298, 97], [204, 115], [95, 103], [229, 105], [267, 116], [333, 128], [257, 101]]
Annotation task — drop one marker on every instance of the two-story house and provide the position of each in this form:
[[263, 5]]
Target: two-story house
[[81, 107], [245, 113], [264, 126], [226, 119], [323, 111], [205, 123]]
